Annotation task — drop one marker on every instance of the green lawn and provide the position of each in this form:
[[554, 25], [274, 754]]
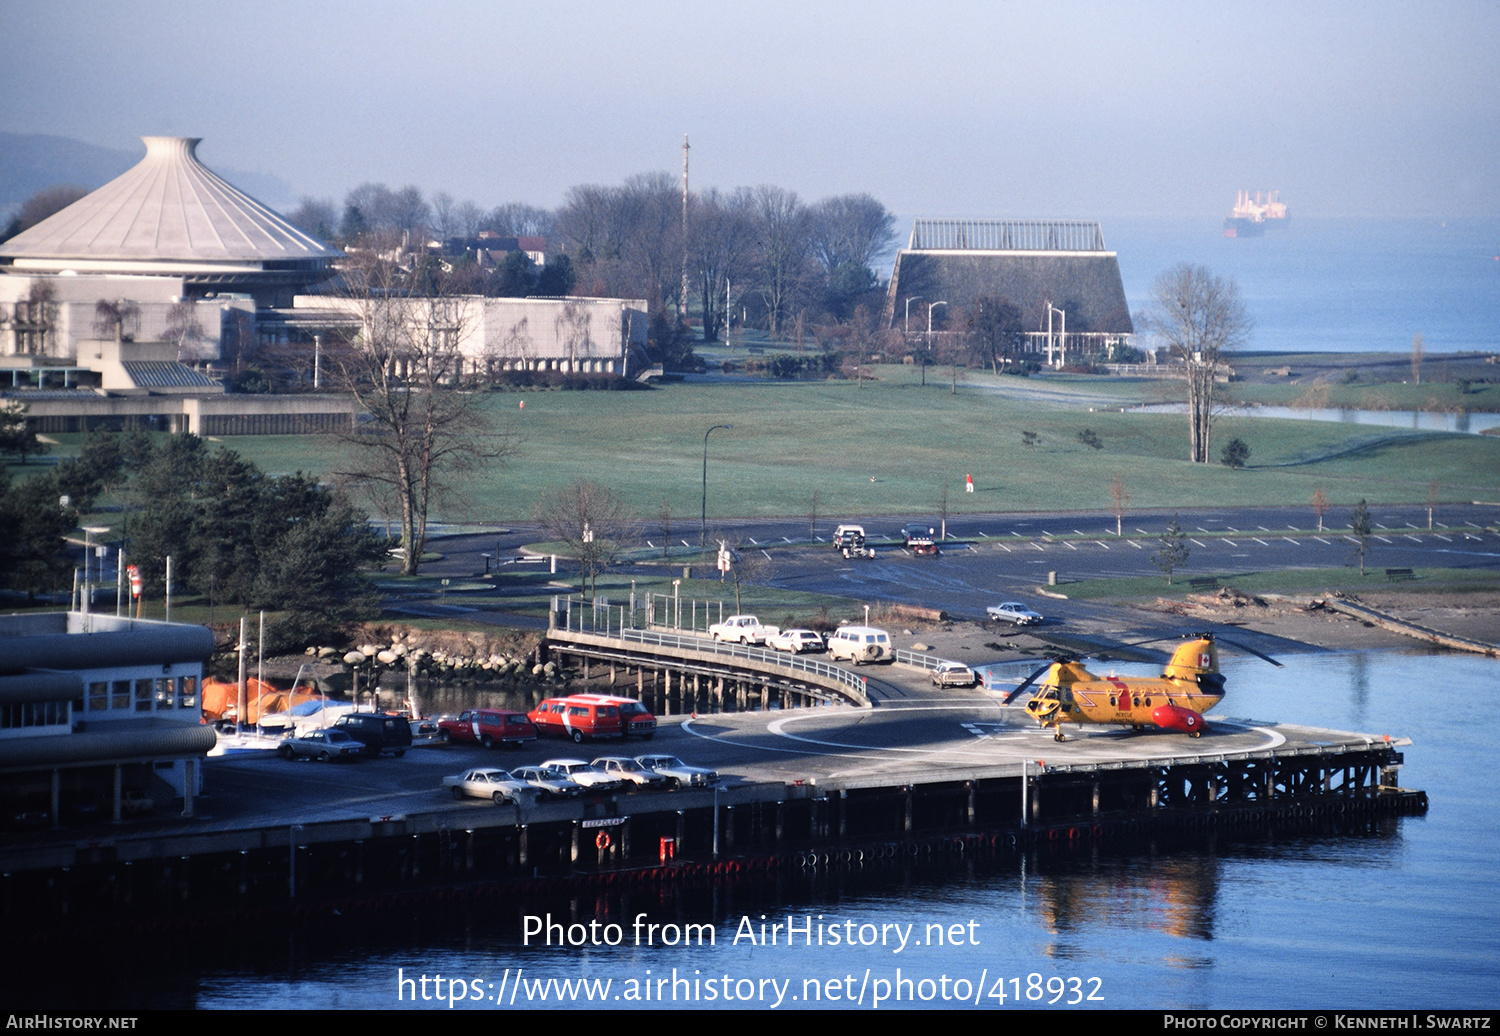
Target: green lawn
[[891, 446]]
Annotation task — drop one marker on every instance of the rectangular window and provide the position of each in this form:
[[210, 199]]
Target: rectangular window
[[165, 693], [187, 693], [98, 696], [144, 692], [120, 697]]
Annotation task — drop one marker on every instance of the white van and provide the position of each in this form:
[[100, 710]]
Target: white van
[[860, 644]]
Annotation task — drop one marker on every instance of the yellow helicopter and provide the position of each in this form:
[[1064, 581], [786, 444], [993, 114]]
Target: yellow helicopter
[[1190, 684]]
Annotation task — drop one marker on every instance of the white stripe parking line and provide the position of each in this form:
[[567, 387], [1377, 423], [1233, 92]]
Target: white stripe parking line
[[1262, 542], [1191, 540], [1134, 544], [1230, 542], [1322, 540]]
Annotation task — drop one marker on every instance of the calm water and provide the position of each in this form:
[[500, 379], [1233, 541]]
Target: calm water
[[1337, 285], [1407, 420], [1404, 919]]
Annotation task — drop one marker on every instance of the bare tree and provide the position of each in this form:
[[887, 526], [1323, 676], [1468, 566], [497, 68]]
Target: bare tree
[[34, 319], [119, 319], [182, 327], [422, 427], [1432, 499], [1418, 350], [42, 205], [1199, 317], [783, 249], [664, 515], [1319, 506], [1362, 527], [1119, 500], [851, 229], [591, 521], [720, 242]]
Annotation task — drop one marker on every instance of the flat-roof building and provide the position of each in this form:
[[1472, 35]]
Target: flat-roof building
[[99, 713]]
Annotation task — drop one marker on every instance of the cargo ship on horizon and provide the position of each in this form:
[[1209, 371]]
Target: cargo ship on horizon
[[1252, 215]]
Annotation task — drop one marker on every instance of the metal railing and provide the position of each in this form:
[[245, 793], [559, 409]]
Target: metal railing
[[707, 645], [911, 658], [602, 618]]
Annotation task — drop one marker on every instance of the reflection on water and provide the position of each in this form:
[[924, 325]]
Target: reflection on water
[[1413, 420]]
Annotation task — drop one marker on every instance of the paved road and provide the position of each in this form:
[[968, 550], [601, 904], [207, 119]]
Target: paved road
[[995, 557]]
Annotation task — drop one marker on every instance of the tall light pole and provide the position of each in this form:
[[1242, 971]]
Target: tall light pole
[[1063, 343], [909, 300], [703, 520], [930, 308]]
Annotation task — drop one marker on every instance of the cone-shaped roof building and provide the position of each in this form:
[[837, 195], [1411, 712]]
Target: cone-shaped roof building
[[172, 215]]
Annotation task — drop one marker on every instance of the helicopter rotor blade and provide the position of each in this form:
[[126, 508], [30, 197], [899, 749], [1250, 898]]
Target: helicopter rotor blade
[[1211, 635], [1250, 651], [1025, 684]]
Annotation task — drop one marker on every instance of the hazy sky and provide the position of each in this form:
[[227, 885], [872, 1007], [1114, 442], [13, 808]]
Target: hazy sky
[[1092, 110]]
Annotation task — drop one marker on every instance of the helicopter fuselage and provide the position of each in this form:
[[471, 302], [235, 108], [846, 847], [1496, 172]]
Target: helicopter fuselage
[[1190, 686]]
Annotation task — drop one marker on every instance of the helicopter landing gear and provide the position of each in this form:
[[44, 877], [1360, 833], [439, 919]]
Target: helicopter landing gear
[[1058, 736]]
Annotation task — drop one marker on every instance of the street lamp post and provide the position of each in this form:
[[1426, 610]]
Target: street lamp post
[[1063, 343], [930, 307], [910, 299], [703, 518]]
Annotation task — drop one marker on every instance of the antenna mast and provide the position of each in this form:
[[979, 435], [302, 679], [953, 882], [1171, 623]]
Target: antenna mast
[[683, 299]]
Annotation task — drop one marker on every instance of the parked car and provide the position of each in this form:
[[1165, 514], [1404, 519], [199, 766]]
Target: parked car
[[377, 731], [913, 531], [954, 674], [796, 641], [549, 783], [849, 540], [743, 629], [631, 772], [487, 727], [678, 772], [593, 716], [1014, 611], [848, 536], [923, 546], [489, 783], [860, 644], [323, 745], [586, 774]]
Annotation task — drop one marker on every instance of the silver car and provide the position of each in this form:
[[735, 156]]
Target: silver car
[[1014, 611], [550, 783], [631, 772], [323, 745], [954, 674], [678, 772], [796, 641], [489, 783], [590, 776]]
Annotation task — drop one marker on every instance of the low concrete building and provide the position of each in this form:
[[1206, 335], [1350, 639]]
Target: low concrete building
[[571, 335], [99, 715]]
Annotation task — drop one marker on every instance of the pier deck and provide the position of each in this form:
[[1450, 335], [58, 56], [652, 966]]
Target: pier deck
[[927, 768]]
